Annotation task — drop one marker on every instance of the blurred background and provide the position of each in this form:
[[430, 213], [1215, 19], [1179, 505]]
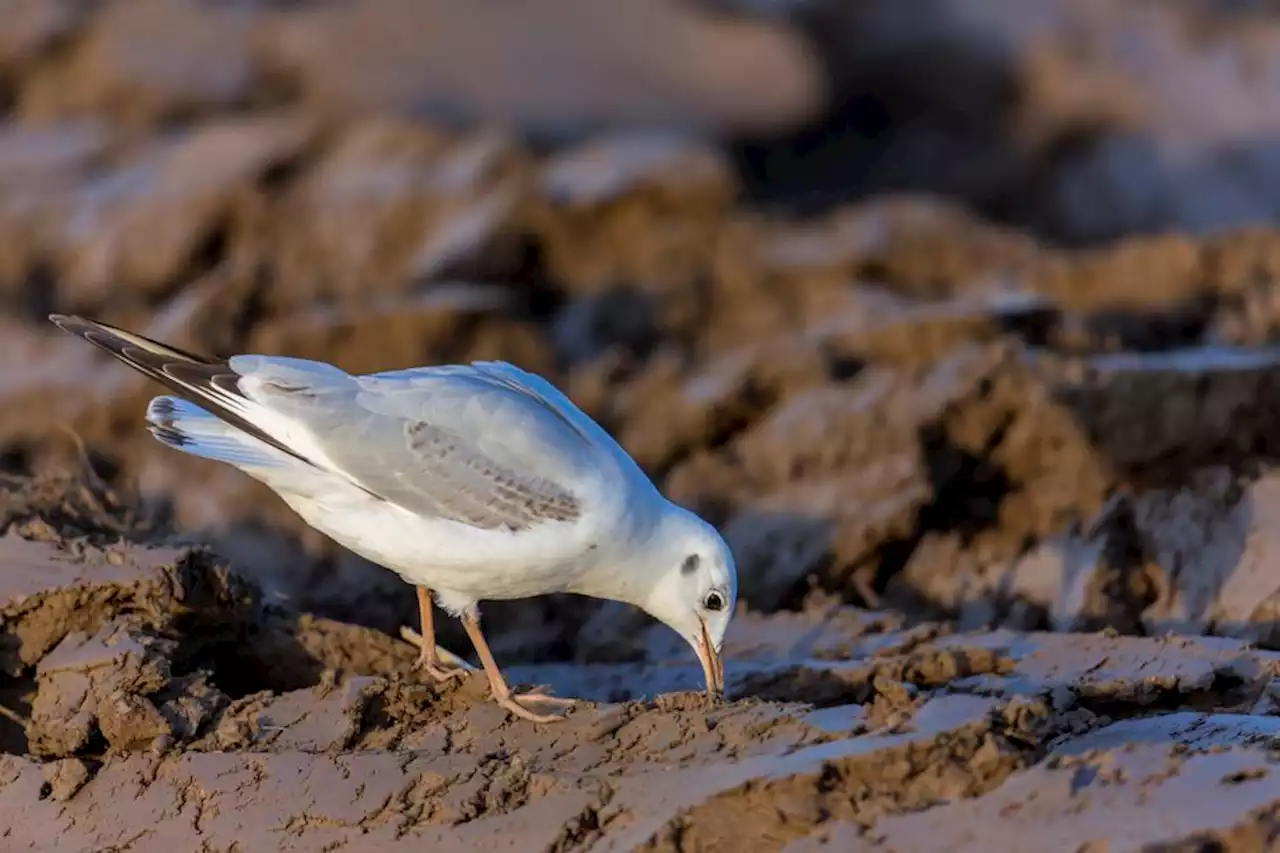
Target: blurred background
[[956, 306]]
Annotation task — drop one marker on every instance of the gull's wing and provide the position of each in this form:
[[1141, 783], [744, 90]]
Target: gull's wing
[[454, 443]]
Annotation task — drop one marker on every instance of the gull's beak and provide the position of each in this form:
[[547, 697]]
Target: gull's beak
[[712, 664]]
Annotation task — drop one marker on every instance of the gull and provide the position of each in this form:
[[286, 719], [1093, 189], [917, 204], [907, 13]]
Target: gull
[[471, 482]]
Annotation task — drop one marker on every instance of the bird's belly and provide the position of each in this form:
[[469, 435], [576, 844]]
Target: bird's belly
[[449, 557]]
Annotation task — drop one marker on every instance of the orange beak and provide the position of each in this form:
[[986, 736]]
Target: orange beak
[[712, 664]]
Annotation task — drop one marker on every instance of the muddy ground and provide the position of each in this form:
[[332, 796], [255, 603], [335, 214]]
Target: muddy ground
[[1007, 514]]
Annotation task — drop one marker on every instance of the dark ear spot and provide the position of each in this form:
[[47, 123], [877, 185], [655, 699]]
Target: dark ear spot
[[690, 564]]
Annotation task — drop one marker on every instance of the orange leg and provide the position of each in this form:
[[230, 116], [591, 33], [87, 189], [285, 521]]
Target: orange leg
[[513, 702], [428, 660]]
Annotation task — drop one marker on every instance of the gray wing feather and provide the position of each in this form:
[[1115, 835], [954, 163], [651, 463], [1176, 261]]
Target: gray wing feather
[[451, 443], [485, 493]]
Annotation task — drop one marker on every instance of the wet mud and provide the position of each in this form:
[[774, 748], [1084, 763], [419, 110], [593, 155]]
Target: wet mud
[[1004, 507]]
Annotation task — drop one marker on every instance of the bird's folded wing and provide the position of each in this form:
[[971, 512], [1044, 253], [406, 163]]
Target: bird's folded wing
[[446, 443]]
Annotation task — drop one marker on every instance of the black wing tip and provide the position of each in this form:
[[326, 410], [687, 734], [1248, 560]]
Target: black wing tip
[[116, 340], [66, 321], [81, 326], [99, 334]]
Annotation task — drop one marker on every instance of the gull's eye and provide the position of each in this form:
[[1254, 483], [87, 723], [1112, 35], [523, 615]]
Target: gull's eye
[[713, 601]]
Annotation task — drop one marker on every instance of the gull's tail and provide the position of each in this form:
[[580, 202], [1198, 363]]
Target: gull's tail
[[184, 426], [213, 418]]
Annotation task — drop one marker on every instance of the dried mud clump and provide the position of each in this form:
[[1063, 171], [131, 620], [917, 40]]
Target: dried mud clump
[[53, 507], [116, 684]]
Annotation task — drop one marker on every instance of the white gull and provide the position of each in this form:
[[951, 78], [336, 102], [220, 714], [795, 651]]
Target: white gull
[[471, 482]]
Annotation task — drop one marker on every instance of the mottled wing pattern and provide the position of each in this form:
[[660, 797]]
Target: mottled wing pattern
[[482, 492]]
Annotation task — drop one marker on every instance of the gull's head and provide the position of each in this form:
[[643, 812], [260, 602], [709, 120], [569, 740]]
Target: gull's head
[[696, 588]]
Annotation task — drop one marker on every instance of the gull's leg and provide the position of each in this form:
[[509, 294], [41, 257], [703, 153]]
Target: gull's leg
[[428, 660], [513, 702]]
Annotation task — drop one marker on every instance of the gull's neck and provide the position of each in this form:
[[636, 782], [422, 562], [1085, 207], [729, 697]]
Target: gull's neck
[[633, 565]]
